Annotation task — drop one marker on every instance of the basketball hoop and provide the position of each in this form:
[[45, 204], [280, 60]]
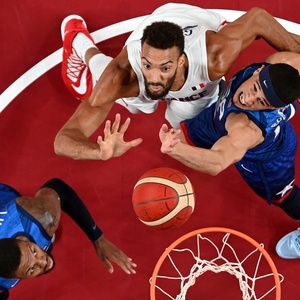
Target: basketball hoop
[[213, 249]]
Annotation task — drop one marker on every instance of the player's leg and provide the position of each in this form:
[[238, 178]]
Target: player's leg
[[277, 184], [291, 204], [82, 62], [288, 247]]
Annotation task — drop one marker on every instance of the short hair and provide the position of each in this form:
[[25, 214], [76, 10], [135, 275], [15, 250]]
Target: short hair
[[280, 83], [10, 257], [164, 35]]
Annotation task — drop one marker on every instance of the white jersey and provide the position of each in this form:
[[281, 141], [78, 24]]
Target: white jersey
[[195, 22]]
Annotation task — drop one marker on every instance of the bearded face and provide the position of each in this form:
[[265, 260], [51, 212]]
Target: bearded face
[[158, 90]]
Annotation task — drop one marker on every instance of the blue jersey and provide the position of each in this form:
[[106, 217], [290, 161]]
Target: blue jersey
[[267, 168], [15, 221]]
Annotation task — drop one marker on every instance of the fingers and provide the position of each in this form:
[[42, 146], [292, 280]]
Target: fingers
[[127, 265], [125, 126], [99, 140], [107, 131], [124, 262], [175, 131], [135, 142], [164, 128], [109, 266], [116, 124]]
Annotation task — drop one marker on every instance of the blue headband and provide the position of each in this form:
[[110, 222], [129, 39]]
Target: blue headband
[[267, 87]]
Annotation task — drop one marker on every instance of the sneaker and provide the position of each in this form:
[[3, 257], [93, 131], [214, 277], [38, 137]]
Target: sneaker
[[75, 73], [289, 246]]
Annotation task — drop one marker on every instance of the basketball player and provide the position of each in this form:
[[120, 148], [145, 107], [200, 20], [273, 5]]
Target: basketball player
[[27, 227], [249, 127], [178, 54]]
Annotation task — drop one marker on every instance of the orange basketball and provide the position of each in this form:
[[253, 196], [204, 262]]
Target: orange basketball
[[163, 198]]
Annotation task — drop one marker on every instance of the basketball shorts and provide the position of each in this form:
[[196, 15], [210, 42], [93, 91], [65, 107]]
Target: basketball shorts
[[271, 173], [176, 112]]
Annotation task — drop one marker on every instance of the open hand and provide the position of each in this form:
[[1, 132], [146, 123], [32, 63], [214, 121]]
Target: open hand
[[169, 138], [108, 252], [113, 144]]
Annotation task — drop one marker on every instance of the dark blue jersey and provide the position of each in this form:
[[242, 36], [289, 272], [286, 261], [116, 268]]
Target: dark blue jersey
[[15, 221], [267, 168]]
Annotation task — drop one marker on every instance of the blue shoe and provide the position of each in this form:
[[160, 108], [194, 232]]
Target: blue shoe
[[289, 246]]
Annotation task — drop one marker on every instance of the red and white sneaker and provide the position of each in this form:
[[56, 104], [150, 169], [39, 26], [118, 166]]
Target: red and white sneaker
[[75, 73]]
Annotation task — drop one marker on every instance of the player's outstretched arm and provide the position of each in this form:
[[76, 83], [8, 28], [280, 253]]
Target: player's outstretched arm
[[108, 252], [73, 139], [118, 80], [242, 135], [258, 23], [224, 46], [75, 208], [290, 58]]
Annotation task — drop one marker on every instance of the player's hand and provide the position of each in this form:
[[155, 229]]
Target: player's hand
[[169, 138], [108, 252], [113, 144]]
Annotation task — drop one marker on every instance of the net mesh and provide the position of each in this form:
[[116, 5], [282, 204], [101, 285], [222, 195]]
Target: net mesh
[[234, 265]]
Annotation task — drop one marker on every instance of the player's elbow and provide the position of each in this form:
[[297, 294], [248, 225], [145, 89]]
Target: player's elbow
[[257, 12], [260, 18], [58, 144], [216, 170]]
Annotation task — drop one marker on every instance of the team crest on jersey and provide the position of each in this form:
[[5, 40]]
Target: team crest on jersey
[[188, 30], [220, 105], [281, 117]]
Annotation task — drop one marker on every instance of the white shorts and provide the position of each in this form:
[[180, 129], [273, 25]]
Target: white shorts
[[176, 111]]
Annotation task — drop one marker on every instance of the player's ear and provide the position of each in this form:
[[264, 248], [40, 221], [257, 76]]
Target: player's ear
[[181, 60], [259, 69]]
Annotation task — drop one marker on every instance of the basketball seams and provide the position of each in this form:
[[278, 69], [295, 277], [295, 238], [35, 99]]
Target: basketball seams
[[163, 198], [171, 215], [160, 180]]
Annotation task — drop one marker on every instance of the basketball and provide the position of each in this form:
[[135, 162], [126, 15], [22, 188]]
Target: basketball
[[163, 198]]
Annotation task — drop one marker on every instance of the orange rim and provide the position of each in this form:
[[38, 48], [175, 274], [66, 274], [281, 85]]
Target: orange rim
[[215, 229]]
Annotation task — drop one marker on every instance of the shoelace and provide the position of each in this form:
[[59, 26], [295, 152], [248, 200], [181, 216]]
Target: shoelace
[[75, 66]]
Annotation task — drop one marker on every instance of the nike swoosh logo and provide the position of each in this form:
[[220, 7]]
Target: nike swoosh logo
[[246, 168], [265, 83], [17, 280], [82, 88]]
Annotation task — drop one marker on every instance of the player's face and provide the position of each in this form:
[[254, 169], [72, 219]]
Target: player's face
[[159, 68], [34, 261], [250, 95]]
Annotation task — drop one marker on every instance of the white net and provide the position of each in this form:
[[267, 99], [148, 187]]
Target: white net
[[222, 258]]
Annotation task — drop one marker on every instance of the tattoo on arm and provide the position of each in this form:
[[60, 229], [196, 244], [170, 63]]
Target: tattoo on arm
[[47, 219]]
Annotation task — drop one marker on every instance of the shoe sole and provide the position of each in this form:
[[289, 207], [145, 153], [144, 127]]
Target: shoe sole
[[66, 20]]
